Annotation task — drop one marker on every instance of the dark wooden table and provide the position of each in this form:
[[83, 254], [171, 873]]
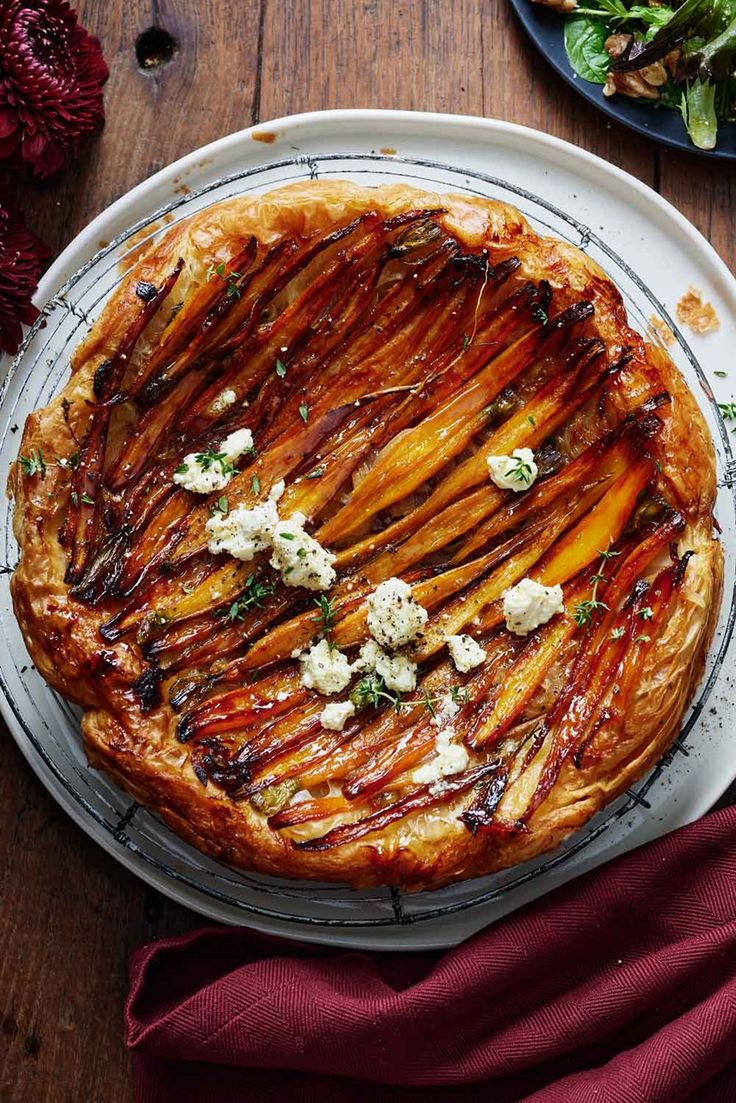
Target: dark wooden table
[[69, 914]]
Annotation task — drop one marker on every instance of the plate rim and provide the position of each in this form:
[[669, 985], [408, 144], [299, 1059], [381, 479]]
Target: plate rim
[[80, 246]]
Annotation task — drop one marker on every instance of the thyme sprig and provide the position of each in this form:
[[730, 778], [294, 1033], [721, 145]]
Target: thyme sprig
[[728, 412], [520, 470], [35, 463], [585, 610], [255, 591], [326, 616], [372, 690]]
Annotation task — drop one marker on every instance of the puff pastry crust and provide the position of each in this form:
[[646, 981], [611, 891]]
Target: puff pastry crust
[[416, 333]]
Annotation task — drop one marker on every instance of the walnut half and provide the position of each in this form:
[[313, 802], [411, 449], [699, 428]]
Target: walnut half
[[559, 5], [642, 83]]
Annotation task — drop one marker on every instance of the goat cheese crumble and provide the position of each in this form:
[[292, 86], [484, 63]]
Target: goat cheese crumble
[[394, 618], [223, 401], [465, 653], [450, 758], [205, 472], [243, 532], [325, 669], [398, 672], [529, 604], [335, 715], [300, 558], [515, 472]]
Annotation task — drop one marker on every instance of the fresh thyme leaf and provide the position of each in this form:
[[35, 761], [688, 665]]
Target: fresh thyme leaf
[[326, 616], [520, 471], [210, 458], [617, 633], [304, 412], [532, 420], [642, 639], [286, 535], [34, 464], [254, 593], [255, 484], [87, 500], [182, 469], [721, 374], [280, 369], [75, 498], [646, 613], [372, 690], [466, 341], [220, 506], [584, 611], [317, 473]]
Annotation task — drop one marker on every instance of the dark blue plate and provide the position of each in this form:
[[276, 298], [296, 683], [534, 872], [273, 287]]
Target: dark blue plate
[[544, 27]]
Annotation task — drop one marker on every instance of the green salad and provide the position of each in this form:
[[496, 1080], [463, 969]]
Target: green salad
[[677, 55]]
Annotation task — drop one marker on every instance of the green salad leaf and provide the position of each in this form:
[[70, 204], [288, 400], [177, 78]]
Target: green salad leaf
[[585, 36], [698, 109]]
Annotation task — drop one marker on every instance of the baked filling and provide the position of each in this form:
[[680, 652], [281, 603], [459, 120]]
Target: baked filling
[[375, 543]]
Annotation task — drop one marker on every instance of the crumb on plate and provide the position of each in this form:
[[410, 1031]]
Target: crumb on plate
[[699, 316]]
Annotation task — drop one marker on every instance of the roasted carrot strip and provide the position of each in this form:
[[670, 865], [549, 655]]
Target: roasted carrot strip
[[306, 811], [427, 448], [424, 797], [84, 500]]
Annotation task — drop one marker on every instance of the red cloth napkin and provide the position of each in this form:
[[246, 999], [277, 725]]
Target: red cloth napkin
[[617, 988]]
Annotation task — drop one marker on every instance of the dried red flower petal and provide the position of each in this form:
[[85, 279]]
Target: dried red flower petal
[[21, 260], [51, 78]]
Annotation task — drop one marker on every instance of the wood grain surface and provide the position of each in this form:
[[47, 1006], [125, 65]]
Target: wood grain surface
[[69, 914]]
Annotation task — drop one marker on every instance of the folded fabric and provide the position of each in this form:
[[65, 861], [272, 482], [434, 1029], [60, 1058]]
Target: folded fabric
[[620, 987]]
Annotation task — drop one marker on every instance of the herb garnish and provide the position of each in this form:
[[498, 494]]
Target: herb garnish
[[34, 464], [317, 473], [254, 592], [280, 369], [728, 412], [326, 615], [372, 690], [304, 412], [220, 506], [520, 470], [584, 610], [207, 460]]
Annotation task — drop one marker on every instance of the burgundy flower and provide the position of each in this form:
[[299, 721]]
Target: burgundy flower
[[51, 77], [21, 261]]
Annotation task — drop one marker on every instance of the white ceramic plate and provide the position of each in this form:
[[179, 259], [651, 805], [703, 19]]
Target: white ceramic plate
[[650, 251]]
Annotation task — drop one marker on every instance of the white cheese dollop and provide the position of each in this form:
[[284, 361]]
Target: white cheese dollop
[[394, 617], [277, 491], [335, 715], [465, 653], [515, 472], [205, 476], [399, 673], [237, 444], [193, 476], [325, 669], [529, 604], [243, 532], [223, 401], [450, 758], [300, 558]]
